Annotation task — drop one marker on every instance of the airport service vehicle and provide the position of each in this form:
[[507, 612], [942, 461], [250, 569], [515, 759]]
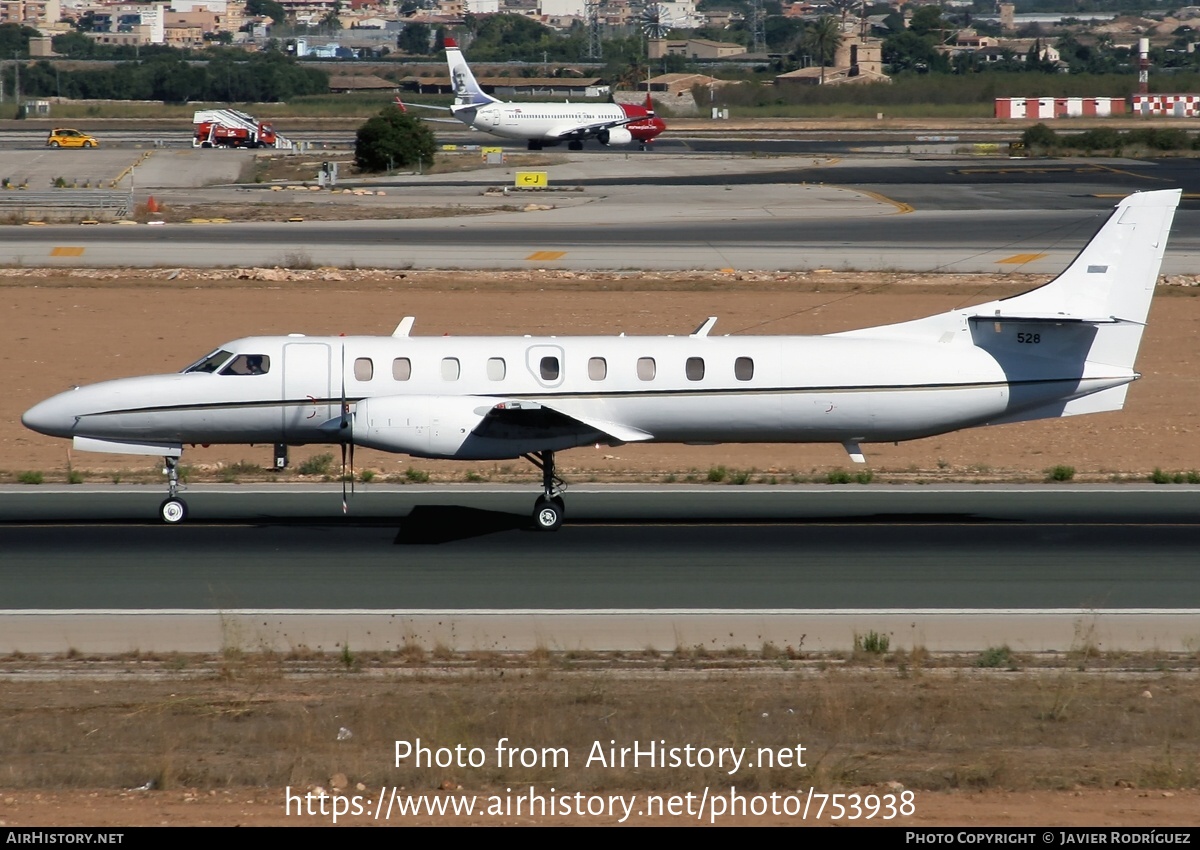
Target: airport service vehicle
[[61, 137], [549, 123], [229, 128], [1064, 349]]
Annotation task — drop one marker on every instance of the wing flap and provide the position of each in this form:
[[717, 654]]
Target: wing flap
[[538, 414]]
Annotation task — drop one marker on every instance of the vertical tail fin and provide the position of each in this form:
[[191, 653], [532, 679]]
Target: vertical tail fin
[[1115, 273], [467, 91]]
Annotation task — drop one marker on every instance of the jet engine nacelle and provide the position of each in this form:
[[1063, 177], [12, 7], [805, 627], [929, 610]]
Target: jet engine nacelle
[[420, 425], [614, 136]]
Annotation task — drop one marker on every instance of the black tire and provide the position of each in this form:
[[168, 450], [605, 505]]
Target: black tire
[[547, 514], [173, 511]]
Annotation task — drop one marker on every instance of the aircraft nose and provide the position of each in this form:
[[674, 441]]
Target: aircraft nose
[[53, 417]]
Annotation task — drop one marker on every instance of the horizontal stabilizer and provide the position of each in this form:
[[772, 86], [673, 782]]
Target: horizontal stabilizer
[[1053, 318]]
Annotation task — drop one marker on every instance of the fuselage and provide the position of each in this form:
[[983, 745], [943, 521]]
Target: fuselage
[[615, 388], [556, 122]]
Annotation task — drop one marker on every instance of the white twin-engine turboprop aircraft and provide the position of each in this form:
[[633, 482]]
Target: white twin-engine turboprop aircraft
[[1063, 349]]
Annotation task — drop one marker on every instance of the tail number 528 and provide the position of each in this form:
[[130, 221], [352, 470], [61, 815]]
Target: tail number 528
[[1030, 339]]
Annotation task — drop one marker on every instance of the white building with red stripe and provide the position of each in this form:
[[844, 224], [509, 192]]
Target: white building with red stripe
[[1058, 107], [1171, 105]]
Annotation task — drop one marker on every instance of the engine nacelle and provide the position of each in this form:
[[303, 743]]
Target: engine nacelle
[[614, 136], [420, 425]]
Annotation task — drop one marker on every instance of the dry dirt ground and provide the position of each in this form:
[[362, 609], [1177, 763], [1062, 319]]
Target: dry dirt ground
[[1069, 741], [66, 328]]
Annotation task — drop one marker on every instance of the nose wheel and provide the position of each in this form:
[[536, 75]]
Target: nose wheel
[[173, 510], [549, 509]]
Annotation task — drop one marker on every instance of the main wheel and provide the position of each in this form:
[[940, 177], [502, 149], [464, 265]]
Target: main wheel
[[547, 514], [173, 511]]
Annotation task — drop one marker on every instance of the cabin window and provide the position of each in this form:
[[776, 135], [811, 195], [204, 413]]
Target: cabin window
[[211, 362], [364, 369], [495, 369], [450, 369], [401, 369], [248, 364], [597, 369], [694, 369], [743, 368], [549, 368], [645, 368]]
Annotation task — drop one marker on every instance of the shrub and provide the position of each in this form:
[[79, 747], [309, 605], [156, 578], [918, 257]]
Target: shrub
[[31, 477], [872, 643], [416, 476], [995, 656], [317, 465], [717, 474], [838, 476], [1060, 473], [1039, 136]]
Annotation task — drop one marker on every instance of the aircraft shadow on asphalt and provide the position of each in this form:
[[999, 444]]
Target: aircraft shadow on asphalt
[[432, 524]]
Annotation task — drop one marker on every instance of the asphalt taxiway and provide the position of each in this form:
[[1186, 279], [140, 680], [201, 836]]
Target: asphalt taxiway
[[458, 565]]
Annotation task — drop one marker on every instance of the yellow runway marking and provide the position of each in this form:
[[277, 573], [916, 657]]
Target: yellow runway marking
[[901, 207], [1020, 259], [547, 255], [66, 252], [1187, 196], [1132, 173]]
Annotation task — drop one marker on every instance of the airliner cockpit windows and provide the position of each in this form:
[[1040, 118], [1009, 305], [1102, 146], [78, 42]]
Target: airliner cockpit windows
[[248, 364], [210, 362]]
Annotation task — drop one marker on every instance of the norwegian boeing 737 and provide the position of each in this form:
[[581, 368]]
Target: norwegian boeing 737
[[544, 124], [1063, 349]]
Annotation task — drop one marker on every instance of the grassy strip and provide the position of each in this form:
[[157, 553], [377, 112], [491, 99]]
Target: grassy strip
[[926, 722]]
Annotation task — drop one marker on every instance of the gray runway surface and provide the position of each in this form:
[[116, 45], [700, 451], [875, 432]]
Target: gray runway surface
[[706, 211], [713, 548]]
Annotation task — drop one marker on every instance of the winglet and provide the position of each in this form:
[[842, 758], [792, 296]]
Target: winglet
[[705, 327], [405, 326]]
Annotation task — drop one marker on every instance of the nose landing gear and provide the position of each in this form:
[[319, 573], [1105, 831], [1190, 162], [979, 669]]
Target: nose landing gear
[[549, 509]]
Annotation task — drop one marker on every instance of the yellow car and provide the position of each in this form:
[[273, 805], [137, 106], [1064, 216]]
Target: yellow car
[[63, 138]]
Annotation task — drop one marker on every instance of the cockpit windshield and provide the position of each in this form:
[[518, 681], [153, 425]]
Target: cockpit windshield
[[210, 362], [248, 364]]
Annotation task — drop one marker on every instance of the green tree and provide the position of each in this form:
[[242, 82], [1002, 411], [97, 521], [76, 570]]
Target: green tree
[[415, 38], [270, 8], [927, 20], [393, 139], [821, 39]]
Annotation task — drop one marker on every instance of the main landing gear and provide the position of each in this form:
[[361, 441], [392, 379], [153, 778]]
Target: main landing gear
[[549, 509], [173, 510]]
